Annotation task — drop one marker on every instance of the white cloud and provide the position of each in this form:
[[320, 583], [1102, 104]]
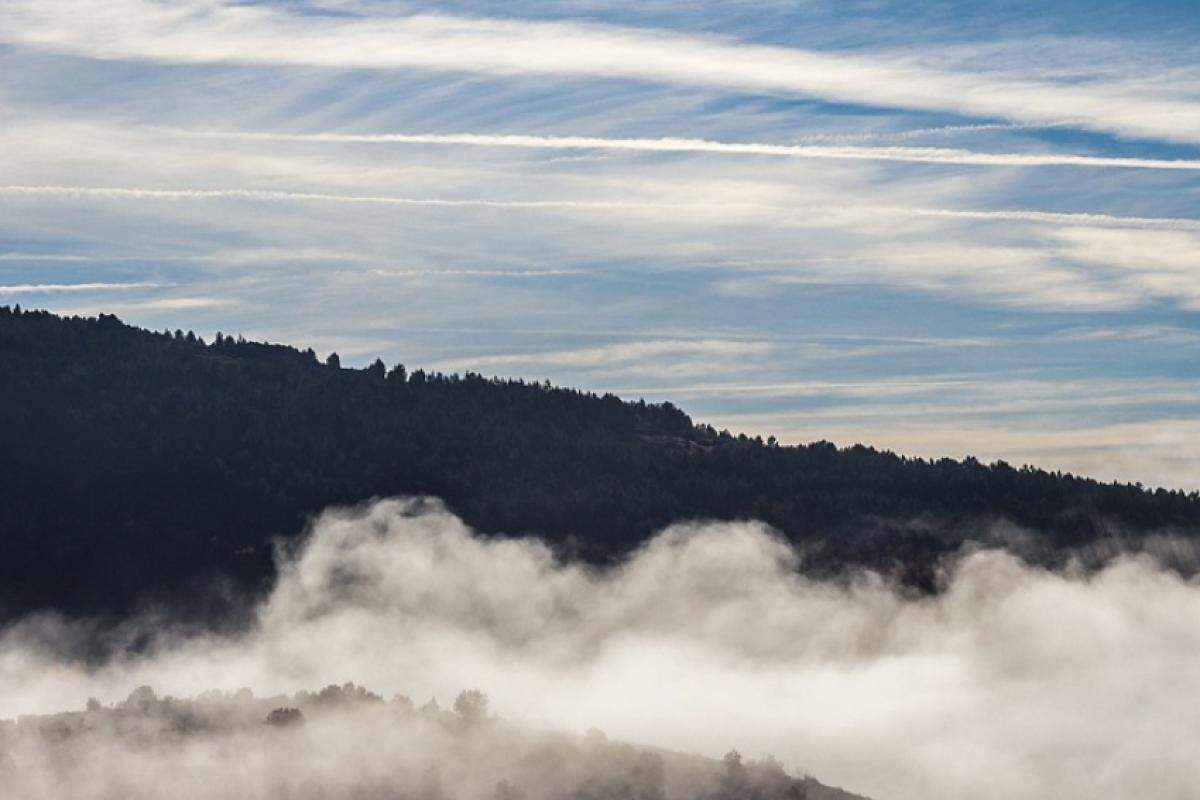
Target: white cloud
[[208, 31], [710, 214], [150, 193], [1052, 271], [1163, 264], [796, 214], [417, 272], [658, 356], [1158, 451], [926, 155], [1028, 277], [175, 303], [1013, 683], [50, 288]]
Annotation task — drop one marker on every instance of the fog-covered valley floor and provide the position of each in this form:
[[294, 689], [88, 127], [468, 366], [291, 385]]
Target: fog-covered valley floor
[[1012, 682]]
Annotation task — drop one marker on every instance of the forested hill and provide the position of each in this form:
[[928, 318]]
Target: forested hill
[[138, 465]]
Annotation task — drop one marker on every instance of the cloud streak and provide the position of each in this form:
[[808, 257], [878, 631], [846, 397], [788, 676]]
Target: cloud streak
[[472, 273], [923, 155], [202, 31], [626, 353], [39, 288], [269, 195]]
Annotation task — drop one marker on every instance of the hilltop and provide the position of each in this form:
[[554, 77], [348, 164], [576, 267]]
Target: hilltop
[[346, 741], [145, 466]]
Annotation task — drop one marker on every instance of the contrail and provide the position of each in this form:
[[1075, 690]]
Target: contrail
[[924, 155], [1060, 218], [274, 195], [1021, 215], [87, 258], [31, 288]]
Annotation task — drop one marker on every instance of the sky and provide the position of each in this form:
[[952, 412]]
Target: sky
[[942, 228]]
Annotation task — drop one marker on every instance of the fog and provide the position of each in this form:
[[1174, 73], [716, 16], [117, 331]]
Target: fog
[[1013, 682], [347, 742]]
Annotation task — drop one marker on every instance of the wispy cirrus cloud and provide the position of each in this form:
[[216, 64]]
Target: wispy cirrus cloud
[[880, 191], [1164, 455], [206, 31], [270, 195], [1057, 266], [837, 210], [661, 355], [418, 272]]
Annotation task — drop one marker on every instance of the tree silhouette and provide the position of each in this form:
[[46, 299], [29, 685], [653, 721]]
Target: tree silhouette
[[471, 705], [146, 467], [285, 717]]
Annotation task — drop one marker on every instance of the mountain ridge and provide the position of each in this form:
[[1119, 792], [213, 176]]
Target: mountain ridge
[[142, 467]]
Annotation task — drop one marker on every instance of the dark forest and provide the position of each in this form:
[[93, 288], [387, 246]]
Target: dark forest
[[144, 467]]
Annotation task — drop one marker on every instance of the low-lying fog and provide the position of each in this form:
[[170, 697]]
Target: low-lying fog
[[1012, 683]]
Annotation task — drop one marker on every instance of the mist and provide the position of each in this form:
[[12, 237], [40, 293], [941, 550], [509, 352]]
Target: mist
[[348, 742], [1012, 682]]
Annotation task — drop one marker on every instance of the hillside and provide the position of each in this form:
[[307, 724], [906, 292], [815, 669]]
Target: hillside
[[142, 466], [345, 741]]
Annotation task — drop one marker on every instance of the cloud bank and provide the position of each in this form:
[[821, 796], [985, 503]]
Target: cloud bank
[[1012, 683]]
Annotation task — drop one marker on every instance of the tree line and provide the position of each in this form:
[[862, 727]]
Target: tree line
[[141, 466]]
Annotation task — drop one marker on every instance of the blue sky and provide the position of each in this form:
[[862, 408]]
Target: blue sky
[[941, 228]]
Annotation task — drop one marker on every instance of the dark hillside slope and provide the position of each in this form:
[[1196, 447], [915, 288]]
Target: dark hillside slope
[[139, 465]]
